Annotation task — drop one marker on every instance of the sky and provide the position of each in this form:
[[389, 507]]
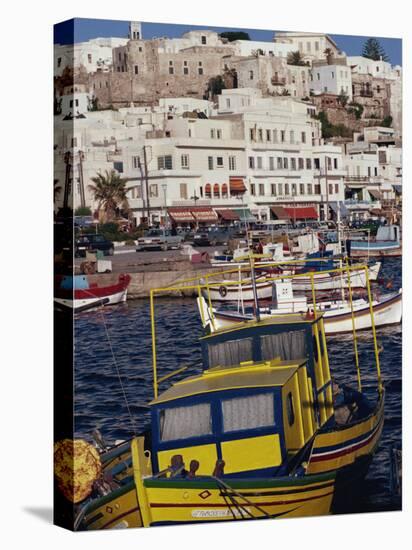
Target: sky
[[84, 29]]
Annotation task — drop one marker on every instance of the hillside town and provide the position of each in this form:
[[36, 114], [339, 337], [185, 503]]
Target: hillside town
[[209, 130]]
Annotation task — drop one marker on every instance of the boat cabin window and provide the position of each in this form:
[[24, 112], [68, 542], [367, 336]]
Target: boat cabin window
[[185, 422], [247, 413], [230, 353], [290, 410], [286, 345]]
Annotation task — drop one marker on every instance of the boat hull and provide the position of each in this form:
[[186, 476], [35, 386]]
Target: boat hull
[[376, 249], [87, 298], [387, 312]]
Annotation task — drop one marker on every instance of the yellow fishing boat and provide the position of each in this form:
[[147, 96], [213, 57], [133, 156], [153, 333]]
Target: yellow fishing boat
[[261, 432]]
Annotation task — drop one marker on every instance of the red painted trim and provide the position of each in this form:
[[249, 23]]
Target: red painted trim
[[223, 505]]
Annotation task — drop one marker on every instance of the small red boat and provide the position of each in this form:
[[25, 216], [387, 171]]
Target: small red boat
[[76, 293]]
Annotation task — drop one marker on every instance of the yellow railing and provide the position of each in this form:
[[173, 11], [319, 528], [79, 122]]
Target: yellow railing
[[203, 285]]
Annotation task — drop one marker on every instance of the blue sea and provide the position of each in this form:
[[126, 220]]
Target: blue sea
[[116, 340]]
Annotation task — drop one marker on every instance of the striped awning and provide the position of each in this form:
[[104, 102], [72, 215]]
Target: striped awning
[[181, 215], [280, 213], [302, 212], [204, 214], [374, 193], [227, 214], [237, 185]]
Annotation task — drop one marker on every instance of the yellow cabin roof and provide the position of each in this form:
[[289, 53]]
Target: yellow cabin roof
[[246, 375], [283, 319]]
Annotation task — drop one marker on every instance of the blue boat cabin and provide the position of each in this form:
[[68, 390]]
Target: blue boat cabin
[[265, 390]]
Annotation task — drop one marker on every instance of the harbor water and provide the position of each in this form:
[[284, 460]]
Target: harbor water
[[113, 371]]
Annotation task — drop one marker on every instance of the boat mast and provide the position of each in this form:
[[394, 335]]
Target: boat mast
[[255, 294]]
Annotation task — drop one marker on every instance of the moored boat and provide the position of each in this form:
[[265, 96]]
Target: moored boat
[[261, 432], [77, 294], [386, 243], [337, 313], [230, 290]]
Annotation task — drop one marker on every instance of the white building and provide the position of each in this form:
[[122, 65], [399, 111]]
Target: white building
[[245, 48], [378, 69], [94, 55], [331, 79], [311, 45]]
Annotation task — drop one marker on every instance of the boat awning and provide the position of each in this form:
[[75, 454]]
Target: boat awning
[[245, 215], [280, 213], [374, 193], [237, 185], [302, 212], [181, 215], [227, 214], [204, 214], [398, 189]]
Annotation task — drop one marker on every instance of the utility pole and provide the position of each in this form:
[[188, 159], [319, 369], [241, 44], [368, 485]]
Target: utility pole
[[327, 189], [68, 161], [82, 196], [144, 176]]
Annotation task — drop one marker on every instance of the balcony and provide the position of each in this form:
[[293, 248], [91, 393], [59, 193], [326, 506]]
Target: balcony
[[278, 81], [366, 93]]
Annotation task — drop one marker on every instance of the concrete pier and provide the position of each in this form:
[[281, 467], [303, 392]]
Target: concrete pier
[[142, 282]]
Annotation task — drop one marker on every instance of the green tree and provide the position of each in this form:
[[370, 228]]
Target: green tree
[[373, 50], [343, 98], [387, 122], [295, 58], [109, 190], [235, 35], [215, 85], [83, 211]]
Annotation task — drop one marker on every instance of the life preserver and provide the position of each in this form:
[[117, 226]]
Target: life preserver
[[222, 291]]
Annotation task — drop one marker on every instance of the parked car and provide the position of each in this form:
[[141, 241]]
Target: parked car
[[93, 241], [201, 238], [159, 239]]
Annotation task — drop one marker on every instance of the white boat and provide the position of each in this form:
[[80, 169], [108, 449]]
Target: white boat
[[337, 313], [331, 281], [229, 291]]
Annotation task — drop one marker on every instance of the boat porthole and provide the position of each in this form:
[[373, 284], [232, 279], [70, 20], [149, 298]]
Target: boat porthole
[[222, 291]]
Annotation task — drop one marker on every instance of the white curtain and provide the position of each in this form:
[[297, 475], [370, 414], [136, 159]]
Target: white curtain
[[245, 413], [286, 345], [230, 353], [185, 422]]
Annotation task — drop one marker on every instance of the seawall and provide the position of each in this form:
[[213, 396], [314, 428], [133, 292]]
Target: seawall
[[143, 281]]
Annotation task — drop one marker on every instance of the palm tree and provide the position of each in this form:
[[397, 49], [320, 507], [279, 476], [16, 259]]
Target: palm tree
[[329, 55], [295, 58], [110, 193]]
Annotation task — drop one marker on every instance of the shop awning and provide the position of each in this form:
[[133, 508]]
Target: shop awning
[[280, 213], [374, 193], [245, 215], [181, 215], [237, 185], [204, 214], [302, 212], [227, 215]]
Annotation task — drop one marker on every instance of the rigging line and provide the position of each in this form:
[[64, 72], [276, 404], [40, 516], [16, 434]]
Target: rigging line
[[116, 366], [118, 373]]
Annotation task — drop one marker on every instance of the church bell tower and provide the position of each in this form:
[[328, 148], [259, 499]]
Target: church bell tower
[[135, 30]]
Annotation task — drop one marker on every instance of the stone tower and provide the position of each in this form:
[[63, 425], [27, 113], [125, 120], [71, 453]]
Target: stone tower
[[135, 30]]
